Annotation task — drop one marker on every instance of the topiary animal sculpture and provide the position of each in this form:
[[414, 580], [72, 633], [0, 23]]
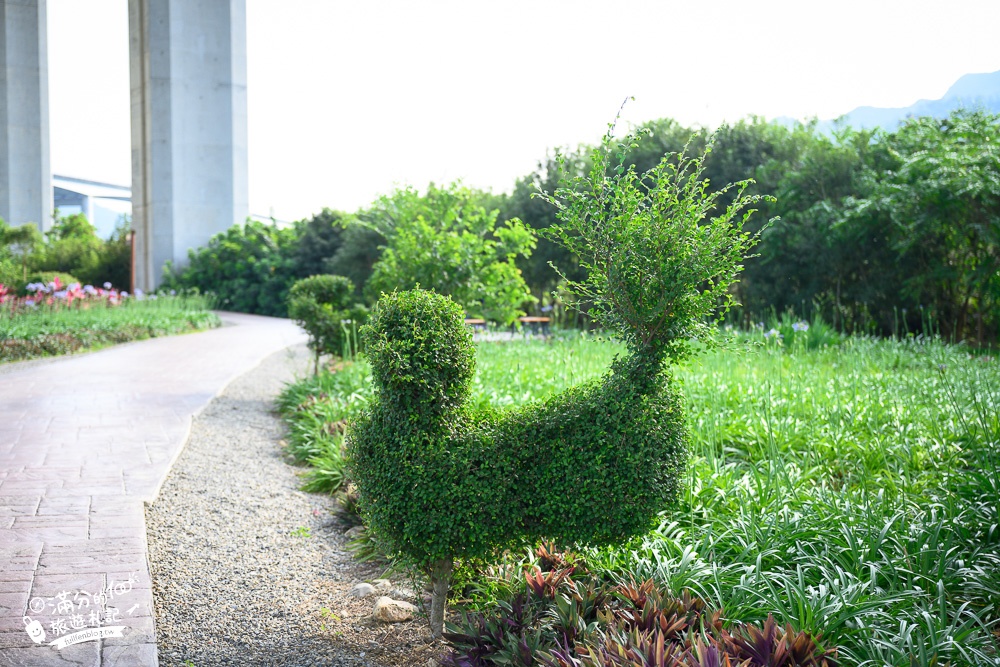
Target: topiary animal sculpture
[[595, 464]]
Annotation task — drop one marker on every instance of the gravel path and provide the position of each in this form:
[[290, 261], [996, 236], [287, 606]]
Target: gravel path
[[239, 555]]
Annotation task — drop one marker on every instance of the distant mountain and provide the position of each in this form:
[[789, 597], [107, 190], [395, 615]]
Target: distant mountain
[[971, 91], [974, 91]]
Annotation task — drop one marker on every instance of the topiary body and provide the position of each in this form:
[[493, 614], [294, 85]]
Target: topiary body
[[441, 480]]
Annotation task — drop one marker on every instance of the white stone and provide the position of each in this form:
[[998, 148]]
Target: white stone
[[363, 590], [382, 585], [388, 610], [402, 594]]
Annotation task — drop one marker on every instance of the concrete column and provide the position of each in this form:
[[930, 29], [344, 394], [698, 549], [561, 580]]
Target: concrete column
[[25, 174], [189, 131]]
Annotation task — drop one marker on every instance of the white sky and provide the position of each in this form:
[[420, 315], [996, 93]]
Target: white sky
[[349, 99]]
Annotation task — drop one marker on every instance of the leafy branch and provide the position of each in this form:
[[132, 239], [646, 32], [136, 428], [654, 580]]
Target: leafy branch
[[660, 252]]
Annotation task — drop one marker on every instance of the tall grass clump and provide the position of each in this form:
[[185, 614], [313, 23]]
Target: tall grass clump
[[849, 491]]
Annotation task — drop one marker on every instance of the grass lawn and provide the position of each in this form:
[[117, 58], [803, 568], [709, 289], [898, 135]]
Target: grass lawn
[[851, 490], [43, 331]]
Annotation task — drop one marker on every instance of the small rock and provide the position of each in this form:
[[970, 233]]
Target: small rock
[[388, 610], [363, 590], [402, 594], [431, 662], [355, 532], [382, 585]]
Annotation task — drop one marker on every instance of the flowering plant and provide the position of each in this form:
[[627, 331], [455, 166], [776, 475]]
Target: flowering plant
[[56, 296]]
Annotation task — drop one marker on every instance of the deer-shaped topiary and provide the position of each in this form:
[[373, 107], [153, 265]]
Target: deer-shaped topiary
[[595, 464]]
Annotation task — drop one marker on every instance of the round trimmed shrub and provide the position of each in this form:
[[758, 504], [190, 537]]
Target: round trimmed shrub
[[323, 305]]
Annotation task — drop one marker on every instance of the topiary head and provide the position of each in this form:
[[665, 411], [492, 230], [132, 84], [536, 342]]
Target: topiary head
[[420, 350]]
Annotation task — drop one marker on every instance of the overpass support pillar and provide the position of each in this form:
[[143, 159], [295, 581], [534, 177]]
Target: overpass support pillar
[[189, 127], [25, 175]]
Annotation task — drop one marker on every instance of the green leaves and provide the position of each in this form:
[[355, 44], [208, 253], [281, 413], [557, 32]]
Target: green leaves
[[440, 479], [324, 306], [250, 268], [660, 247], [448, 241], [941, 198]]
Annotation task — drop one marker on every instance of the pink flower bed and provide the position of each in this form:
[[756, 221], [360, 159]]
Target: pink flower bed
[[55, 295]]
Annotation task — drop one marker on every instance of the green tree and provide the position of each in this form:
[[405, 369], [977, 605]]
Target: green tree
[[938, 194], [446, 240], [17, 244], [72, 246], [360, 249], [114, 260], [249, 268], [664, 137], [319, 239], [809, 259], [524, 205]]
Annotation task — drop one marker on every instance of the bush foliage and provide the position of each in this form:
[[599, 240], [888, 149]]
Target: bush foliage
[[324, 306], [70, 249], [428, 466], [660, 248], [449, 241], [249, 268]]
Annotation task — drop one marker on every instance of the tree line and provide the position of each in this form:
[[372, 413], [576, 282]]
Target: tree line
[[70, 250], [874, 231]]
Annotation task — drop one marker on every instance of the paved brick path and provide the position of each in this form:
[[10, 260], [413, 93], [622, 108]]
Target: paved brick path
[[84, 441]]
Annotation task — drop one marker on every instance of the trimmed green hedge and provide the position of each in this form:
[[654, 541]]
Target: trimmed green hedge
[[324, 306], [593, 464]]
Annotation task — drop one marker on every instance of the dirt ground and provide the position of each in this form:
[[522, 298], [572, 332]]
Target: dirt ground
[[348, 620]]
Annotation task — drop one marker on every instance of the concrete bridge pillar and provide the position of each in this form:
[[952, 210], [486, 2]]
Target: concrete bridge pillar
[[189, 127], [25, 175]]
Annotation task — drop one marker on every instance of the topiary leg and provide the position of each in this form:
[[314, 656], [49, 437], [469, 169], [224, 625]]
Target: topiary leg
[[440, 583]]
